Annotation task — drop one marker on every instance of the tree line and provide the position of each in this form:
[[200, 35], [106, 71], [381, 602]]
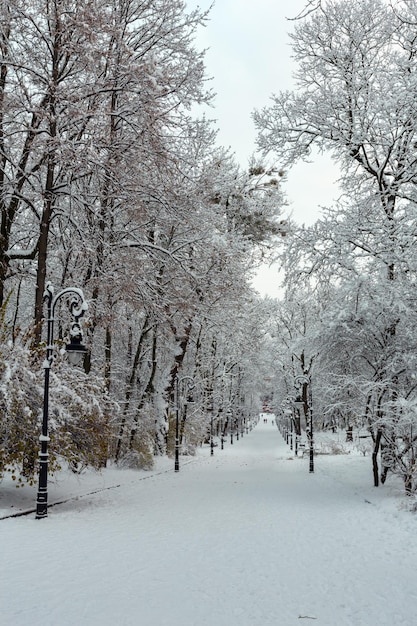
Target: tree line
[[348, 318], [109, 182]]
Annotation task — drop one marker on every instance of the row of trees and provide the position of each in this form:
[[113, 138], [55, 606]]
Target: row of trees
[[349, 315], [108, 183]]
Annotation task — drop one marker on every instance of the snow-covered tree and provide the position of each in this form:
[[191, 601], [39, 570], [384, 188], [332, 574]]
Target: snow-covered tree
[[109, 183], [355, 98]]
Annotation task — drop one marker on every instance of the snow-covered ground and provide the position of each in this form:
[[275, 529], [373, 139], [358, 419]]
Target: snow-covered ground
[[244, 538]]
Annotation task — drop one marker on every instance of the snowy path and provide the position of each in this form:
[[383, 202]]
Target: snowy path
[[245, 538]]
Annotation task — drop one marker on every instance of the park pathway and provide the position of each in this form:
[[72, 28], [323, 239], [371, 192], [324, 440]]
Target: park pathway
[[246, 537]]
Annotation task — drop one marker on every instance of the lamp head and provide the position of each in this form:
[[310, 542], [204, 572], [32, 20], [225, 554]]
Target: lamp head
[[298, 403], [75, 349]]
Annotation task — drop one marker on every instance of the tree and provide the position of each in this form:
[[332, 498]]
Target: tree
[[111, 185], [46, 95], [355, 98]]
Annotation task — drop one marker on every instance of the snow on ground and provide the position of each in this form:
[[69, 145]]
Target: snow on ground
[[246, 537]]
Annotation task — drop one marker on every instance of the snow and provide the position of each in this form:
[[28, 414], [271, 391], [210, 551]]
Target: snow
[[247, 537]]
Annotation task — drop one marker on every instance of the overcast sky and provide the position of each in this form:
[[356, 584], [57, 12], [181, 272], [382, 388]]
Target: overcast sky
[[249, 59]]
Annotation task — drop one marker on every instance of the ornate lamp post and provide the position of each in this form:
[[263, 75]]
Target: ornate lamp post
[[299, 405], [221, 429], [301, 381], [76, 352], [211, 434], [310, 408], [178, 381]]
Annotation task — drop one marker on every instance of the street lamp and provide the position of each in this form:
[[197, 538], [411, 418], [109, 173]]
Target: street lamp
[[299, 405], [76, 351], [300, 381], [221, 430], [310, 408], [211, 434], [178, 381]]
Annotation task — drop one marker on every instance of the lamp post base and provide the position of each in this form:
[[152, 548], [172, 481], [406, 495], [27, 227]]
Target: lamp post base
[[177, 459], [42, 506]]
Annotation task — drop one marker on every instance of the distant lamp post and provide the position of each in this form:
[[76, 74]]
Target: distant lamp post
[[177, 427], [231, 418], [310, 408], [76, 352], [178, 382], [306, 380], [211, 434], [299, 405], [221, 430]]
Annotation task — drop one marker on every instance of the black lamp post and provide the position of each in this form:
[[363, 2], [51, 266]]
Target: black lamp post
[[299, 405], [310, 408], [76, 351], [177, 427], [178, 381], [211, 434], [221, 429], [306, 380]]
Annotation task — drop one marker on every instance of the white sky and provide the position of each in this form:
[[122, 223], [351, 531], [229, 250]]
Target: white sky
[[249, 59]]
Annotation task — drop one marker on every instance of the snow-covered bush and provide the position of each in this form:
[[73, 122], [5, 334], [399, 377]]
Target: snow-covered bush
[[331, 446], [79, 413], [20, 410]]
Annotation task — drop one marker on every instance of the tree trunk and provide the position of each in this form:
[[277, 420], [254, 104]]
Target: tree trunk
[[375, 459], [148, 392], [130, 384], [107, 357], [43, 250]]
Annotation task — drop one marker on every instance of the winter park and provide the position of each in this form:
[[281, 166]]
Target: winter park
[[208, 313]]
